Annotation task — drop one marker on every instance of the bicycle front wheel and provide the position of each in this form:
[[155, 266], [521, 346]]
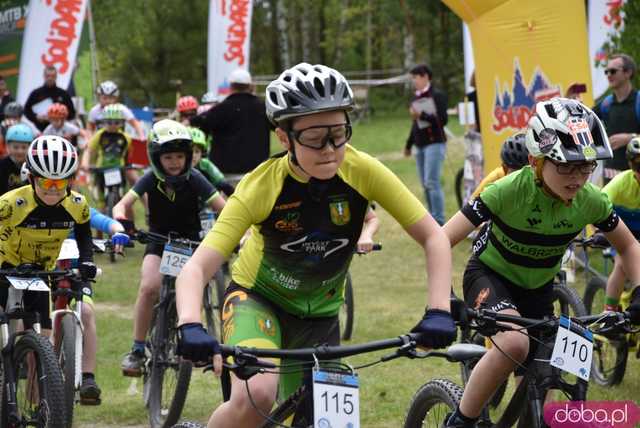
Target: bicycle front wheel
[[65, 348], [40, 399], [431, 404], [167, 381], [594, 295], [566, 301], [347, 310]]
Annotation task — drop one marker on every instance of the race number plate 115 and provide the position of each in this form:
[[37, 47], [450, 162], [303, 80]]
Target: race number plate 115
[[173, 259], [572, 352], [336, 402]]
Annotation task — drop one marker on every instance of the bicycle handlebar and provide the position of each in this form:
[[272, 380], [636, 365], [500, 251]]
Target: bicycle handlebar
[[145, 236]]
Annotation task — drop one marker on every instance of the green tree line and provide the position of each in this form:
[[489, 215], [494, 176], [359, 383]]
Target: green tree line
[[148, 46]]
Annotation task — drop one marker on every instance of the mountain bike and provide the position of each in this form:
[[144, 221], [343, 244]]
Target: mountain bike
[[329, 394], [68, 329], [32, 383], [435, 399], [611, 351], [166, 376]]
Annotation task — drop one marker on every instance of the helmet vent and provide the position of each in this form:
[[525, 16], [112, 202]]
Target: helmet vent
[[332, 84], [319, 86], [550, 110], [302, 88]]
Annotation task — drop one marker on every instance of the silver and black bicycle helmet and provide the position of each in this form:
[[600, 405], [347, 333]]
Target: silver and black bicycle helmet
[[633, 149], [565, 130], [108, 88], [307, 89], [13, 109]]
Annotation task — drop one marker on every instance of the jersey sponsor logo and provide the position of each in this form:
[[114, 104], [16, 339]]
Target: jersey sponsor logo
[[85, 213], [290, 223], [287, 206], [20, 202], [502, 305], [340, 212], [536, 209], [512, 109], [284, 280], [530, 251], [227, 313], [77, 199], [315, 246], [562, 223], [6, 210], [533, 222]]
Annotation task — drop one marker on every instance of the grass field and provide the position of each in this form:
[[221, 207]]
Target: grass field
[[389, 299]]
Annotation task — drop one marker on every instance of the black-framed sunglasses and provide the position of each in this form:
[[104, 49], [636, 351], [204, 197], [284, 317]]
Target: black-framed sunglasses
[[317, 137], [584, 168], [612, 71], [117, 122]]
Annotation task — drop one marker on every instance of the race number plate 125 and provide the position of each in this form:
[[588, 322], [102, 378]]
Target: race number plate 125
[[336, 402], [572, 352], [173, 259]]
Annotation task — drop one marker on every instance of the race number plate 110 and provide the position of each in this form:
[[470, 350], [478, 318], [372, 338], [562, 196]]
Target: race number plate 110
[[335, 400], [572, 352], [173, 259]]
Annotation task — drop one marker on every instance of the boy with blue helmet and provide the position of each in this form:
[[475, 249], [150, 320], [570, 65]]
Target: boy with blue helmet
[[18, 138]]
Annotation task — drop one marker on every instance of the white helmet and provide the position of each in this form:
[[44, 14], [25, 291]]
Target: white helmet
[[565, 130], [54, 157], [306, 89], [108, 88]]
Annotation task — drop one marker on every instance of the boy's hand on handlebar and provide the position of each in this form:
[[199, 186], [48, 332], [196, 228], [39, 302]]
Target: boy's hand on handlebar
[[195, 344], [437, 329], [119, 240], [88, 270]]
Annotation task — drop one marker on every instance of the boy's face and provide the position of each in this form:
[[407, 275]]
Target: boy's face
[[173, 163], [197, 155], [420, 82], [17, 150], [565, 180], [320, 163], [57, 122], [105, 100], [113, 125], [51, 192]]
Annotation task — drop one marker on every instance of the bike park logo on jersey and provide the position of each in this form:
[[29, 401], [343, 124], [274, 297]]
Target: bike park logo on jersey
[[513, 108], [592, 414]]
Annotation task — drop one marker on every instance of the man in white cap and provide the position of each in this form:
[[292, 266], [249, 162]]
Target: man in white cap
[[239, 128]]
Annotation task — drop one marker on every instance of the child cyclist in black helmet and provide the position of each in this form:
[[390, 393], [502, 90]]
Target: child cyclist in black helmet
[[513, 154], [534, 213], [305, 208], [175, 193]]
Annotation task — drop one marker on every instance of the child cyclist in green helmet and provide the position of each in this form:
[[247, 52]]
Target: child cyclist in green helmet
[[535, 213], [204, 165], [305, 209]]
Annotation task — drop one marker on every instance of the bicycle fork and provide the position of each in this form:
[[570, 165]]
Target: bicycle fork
[[56, 317]]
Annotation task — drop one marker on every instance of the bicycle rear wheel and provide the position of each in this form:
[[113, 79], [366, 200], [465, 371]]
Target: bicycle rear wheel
[[168, 376], [39, 389], [347, 310], [65, 348], [431, 404]]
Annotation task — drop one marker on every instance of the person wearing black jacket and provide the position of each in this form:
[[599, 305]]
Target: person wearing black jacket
[[51, 91], [5, 96], [429, 113], [239, 129]]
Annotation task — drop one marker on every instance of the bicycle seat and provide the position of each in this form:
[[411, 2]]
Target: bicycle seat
[[459, 352]]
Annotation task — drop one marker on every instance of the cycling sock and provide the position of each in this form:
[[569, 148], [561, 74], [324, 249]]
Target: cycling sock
[[138, 347], [457, 419], [88, 375]]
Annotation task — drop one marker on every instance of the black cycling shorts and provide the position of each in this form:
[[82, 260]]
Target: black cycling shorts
[[34, 301], [482, 285]]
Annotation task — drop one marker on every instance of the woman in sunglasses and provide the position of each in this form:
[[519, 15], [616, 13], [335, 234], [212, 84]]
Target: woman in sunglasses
[[305, 209], [534, 214]]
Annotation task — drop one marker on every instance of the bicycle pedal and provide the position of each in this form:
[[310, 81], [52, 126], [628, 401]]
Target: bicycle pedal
[[90, 401], [132, 373]]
